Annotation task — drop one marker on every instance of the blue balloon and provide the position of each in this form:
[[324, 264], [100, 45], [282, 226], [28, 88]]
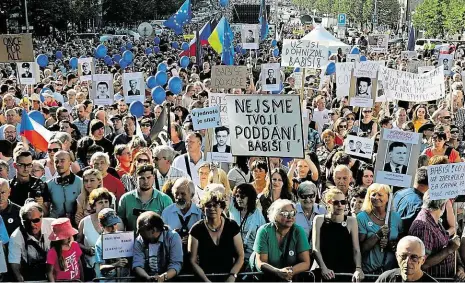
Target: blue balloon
[[101, 51], [355, 50], [243, 51], [162, 67], [136, 108], [41, 97], [274, 42], [296, 69], [116, 58], [82, 57], [330, 69], [161, 77], [158, 95], [363, 58], [184, 61], [156, 49], [37, 116], [238, 49], [128, 56], [175, 85], [59, 54], [110, 63], [73, 62], [42, 60], [123, 64], [156, 40], [148, 50], [151, 82], [129, 45], [224, 3], [175, 44], [276, 52], [45, 89], [106, 58], [122, 49], [185, 46]]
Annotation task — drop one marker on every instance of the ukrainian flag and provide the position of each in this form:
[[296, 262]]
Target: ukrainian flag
[[221, 40]]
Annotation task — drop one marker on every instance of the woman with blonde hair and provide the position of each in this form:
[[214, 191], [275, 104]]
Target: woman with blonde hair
[[378, 240], [91, 179], [340, 128], [303, 170], [130, 180], [335, 240], [219, 176]]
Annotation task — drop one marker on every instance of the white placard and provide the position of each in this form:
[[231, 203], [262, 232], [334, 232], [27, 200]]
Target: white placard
[[378, 43], [28, 72], [407, 55], [219, 140], [206, 118], [102, 89], [367, 69], [446, 181], [413, 87], [250, 36], [266, 125], [271, 77], [304, 53], [425, 69], [343, 75], [118, 245], [133, 87], [446, 60], [86, 69], [298, 79], [358, 146], [353, 58]]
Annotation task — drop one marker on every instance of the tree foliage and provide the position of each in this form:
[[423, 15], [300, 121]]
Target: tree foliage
[[440, 17]]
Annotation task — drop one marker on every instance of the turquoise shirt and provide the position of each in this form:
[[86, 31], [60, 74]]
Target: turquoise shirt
[[63, 198]]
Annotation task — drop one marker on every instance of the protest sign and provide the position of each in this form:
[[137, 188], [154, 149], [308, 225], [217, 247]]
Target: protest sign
[[397, 156], [250, 36], [298, 79], [118, 245], [28, 73], [133, 87], [343, 76], [353, 58], [266, 125], [413, 87], [221, 150], [229, 77], [219, 99], [446, 181], [358, 146], [413, 65], [446, 60], [271, 77], [408, 55], [304, 53], [363, 84], [85, 69], [102, 89], [16, 48], [425, 69], [378, 43], [206, 118]]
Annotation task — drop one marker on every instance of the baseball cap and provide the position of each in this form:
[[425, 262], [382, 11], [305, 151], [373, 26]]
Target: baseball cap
[[107, 217]]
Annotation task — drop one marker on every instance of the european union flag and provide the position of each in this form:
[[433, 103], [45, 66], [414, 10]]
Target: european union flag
[[263, 20], [180, 18], [221, 40]]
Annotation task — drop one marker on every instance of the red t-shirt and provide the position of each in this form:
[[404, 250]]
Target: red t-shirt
[[114, 185], [72, 257]]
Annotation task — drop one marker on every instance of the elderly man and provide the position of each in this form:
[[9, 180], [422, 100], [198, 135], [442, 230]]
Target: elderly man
[[65, 188], [440, 249], [9, 211], [9, 132], [12, 118], [410, 253], [401, 118], [29, 244], [101, 162], [163, 156], [342, 178], [193, 159]]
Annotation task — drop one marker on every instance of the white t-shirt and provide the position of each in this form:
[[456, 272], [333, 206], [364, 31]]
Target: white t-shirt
[[321, 118]]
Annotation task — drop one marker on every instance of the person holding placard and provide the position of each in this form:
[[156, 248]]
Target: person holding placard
[[367, 124]]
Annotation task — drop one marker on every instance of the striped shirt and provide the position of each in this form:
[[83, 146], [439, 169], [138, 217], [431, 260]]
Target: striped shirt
[[82, 126]]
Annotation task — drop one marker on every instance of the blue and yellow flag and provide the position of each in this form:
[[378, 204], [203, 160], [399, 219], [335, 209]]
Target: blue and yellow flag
[[221, 40]]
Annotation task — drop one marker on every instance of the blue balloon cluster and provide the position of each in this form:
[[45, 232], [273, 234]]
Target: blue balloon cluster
[[101, 51], [42, 60], [175, 85], [158, 95]]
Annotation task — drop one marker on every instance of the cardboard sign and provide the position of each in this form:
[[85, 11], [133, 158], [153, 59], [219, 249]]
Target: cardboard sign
[[229, 77], [220, 100], [396, 160], [413, 87], [304, 53], [446, 181], [221, 149], [446, 60], [16, 48], [363, 84], [102, 89], [86, 69], [425, 69], [413, 65], [118, 245], [353, 58], [343, 77], [357, 146], [206, 118], [266, 125], [28, 73], [378, 43]]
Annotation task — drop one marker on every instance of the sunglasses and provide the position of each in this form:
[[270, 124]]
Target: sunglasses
[[50, 150], [339, 202], [454, 132], [367, 111], [212, 205], [310, 196], [288, 214], [145, 125], [35, 220], [142, 160], [146, 106], [158, 159], [350, 119], [446, 117], [343, 126]]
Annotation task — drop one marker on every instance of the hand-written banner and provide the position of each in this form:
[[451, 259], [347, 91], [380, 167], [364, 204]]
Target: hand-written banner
[[206, 118], [343, 75], [118, 245], [219, 99], [229, 76], [304, 53], [366, 69], [446, 181], [413, 87], [265, 125], [16, 48]]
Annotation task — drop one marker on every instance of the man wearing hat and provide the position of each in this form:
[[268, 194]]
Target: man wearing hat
[[27, 70]]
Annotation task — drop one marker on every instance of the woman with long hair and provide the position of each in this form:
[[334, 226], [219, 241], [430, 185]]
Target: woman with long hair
[[304, 170], [420, 116], [440, 148], [364, 176], [91, 179], [130, 180], [279, 187], [367, 124]]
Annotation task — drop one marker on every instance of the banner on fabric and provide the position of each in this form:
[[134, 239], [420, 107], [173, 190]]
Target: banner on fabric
[[446, 181], [266, 125], [229, 77], [304, 53]]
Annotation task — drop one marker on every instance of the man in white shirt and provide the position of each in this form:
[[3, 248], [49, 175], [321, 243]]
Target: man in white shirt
[[163, 156], [193, 159], [320, 113]]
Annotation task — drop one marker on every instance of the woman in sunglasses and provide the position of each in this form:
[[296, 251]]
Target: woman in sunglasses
[[246, 214], [367, 125], [215, 243], [340, 129], [53, 147], [282, 231], [130, 180], [335, 240], [378, 233], [440, 148], [278, 187], [307, 208]]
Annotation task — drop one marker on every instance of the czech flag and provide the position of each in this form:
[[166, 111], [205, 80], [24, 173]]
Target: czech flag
[[204, 33], [35, 133]]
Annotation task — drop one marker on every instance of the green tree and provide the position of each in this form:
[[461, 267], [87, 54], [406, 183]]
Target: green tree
[[388, 12], [454, 16], [428, 17]]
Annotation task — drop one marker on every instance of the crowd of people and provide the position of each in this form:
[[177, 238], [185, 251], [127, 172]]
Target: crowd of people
[[321, 217]]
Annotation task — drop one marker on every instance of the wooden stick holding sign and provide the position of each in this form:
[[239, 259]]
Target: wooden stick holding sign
[[386, 220]]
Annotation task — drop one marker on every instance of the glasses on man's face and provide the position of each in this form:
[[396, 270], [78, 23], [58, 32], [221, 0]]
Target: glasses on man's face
[[145, 125], [446, 117], [25, 165], [413, 258], [212, 205], [454, 132], [339, 202], [158, 159], [147, 106], [55, 150], [143, 160], [35, 220], [308, 196], [288, 214]]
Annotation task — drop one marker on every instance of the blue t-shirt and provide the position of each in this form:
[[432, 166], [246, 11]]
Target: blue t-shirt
[[373, 260], [3, 232]]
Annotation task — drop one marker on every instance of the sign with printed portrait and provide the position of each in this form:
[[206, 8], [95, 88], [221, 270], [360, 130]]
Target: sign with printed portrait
[[133, 87], [221, 141], [363, 85], [271, 77], [397, 157], [358, 146], [28, 73], [86, 69], [250, 36], [446, 60], [378, 43], [102, 89]]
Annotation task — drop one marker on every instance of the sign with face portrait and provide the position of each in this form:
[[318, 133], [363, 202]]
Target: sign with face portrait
[[378, 43], [363, 84], [102, 89], [271, 77], [86, 69], [221, 149], [397, 157], [358, 146], [28, 73], [133, 87], [250, 36], [446, 60]]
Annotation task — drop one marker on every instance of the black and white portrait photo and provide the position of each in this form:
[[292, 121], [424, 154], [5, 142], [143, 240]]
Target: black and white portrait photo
[[27, 72], [398, 158], [358, 146], [221, 138], [102, 89], [447, 61], [271, 77], [133, 87], [85, 69], [363, 88], [249, 36], [378, 43]]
